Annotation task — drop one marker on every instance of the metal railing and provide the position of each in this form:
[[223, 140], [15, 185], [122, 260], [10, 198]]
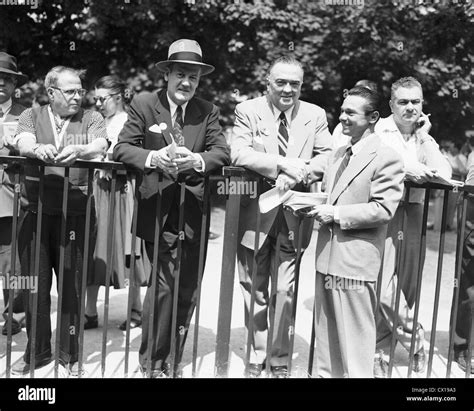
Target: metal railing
[[227, 274]]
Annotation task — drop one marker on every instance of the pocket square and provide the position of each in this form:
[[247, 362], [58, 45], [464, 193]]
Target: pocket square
[[155, 128]]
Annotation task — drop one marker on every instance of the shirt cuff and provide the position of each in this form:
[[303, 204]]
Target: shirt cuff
[[148, 160], [24, 134], [336, 214], [203, 164]]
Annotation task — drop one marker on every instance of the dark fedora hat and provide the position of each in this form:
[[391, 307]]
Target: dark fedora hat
[[8, 66], [187, 52]]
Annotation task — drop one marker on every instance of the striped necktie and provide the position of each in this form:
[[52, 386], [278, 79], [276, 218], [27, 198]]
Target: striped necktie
[[283, 135], [343, 165], [178, 127]]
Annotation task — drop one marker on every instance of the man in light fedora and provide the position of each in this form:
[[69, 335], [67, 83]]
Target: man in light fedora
[[155, 119], [10, 79]]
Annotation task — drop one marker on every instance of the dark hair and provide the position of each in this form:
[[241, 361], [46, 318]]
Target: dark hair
[[372, 85], [371, 96], [116, 86], [285, 60]]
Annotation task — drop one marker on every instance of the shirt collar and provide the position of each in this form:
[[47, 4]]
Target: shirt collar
[[6, 106], [174, 106], [388, 125], [288, 113], [359, 146]]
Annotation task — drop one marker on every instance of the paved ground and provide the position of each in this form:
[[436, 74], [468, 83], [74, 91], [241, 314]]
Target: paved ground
[[208, 324]]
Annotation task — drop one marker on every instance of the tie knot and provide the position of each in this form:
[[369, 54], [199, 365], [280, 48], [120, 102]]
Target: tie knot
[[349, 151], [282, 117], [1, 113]]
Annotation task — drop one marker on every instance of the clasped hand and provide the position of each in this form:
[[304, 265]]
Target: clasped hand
[[420, 174], [184, 160], [323, 213], [49, 154], [294, 168]]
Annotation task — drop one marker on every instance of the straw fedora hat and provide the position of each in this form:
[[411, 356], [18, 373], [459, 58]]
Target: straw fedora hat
[[187, 52]]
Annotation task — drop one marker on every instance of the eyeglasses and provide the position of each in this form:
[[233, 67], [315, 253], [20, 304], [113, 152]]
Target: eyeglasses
[[69, 94], [103, 99]]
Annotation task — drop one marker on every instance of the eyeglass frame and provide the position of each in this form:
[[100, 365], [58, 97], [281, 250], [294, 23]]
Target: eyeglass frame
[[103, 99], [80, 91]]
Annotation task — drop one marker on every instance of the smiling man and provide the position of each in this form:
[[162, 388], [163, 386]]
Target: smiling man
[[287, 140], [364, 181], [155, 120], [57, 134]]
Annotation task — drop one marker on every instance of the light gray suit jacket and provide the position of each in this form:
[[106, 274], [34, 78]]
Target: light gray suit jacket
[[367, 194], [254, 146]]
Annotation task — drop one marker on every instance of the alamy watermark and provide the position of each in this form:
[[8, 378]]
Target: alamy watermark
[[353, 3], [238, 188], [20, 282], [342, 283], [28, 393], [33, 4]]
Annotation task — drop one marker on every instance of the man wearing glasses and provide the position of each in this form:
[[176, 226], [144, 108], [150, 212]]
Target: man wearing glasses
[[406, 131], [57, 134], [286, 140]]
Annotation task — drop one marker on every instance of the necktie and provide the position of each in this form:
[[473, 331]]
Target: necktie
[[178, 127], [343, 165], [283, 135], [1, 113]]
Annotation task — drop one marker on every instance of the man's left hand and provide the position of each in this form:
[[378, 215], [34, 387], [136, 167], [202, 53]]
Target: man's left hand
[[186, 159], [323, 213], [68, 155]]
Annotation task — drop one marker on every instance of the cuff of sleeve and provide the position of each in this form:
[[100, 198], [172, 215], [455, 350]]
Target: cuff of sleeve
[[336, 215], [202, 168], [148, 160], [24, 134]]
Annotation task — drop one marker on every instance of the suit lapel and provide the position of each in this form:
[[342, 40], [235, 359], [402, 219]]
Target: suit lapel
[[14, 112], [356, 165], [266, 125], [162, 114], [298, 134]]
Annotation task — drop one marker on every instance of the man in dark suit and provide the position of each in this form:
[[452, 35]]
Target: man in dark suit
[[284, 138], [364, 180], [10, 79], [145, 143]]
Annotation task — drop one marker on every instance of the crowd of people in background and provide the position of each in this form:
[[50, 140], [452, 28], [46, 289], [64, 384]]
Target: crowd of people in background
[[362, 166]]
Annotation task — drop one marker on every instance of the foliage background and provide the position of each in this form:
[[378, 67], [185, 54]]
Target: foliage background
[[338, 44]]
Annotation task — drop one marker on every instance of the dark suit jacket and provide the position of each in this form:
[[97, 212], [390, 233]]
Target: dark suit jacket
[[6, 178], [202, 134]]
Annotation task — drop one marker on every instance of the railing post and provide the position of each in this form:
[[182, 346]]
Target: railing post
[[229, 253]]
